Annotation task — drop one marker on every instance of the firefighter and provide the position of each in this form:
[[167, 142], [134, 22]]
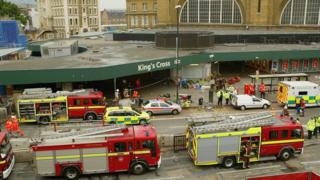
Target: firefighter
[[310, 127], [226, 96], [136, 97], [302, 107], [15, 127], [9, 125], [297, 104], [220, 97], [246, 155], [317, 126], [262, 90]]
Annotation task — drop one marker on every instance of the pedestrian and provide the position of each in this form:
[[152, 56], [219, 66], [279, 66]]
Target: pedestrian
[[226, 96], [302, 107], [317, 127], [136, 97], [297, 104], [117, 95], [138, 84], [220, 97], [246, 155], [9, 125], [310, 127], [285, 111], [262, 89]]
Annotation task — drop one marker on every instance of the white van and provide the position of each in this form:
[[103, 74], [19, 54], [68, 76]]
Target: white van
[[244, 101]]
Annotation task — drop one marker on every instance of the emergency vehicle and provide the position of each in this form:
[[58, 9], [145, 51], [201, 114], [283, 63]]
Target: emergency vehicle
[[105, 149], [288, 91], [7, 158], [44, 107], [221, 142]]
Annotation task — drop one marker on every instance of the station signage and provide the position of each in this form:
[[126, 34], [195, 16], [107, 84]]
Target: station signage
[[154, 66]]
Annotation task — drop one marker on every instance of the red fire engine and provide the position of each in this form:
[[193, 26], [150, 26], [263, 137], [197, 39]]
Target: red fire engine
[[222, 142], [7, 159], [43, 106], [104, 149]]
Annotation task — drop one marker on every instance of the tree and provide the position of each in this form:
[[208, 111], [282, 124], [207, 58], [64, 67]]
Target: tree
[[12, 10]]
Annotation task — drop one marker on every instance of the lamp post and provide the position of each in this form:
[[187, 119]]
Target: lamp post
[[178, 7]]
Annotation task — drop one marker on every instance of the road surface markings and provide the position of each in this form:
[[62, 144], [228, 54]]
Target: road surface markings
[[168, 178], [310, 162], [177, 127]]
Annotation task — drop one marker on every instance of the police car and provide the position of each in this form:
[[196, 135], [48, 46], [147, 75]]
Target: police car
[[125, 115]]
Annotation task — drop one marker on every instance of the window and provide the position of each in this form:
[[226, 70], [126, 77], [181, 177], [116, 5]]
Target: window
[[164, 105], [84, 10], [138, 145], [284, 133], [145, 7], [134, 7], [96, 102], [130, 146], [70, 11], [304, 12], [75, 11], [70, 21], [120, 147], [256, 100], [150, 144], [296, 134], [303, 93], [76, 21], [211, 12], [154, 105], [273, 134], [77, 102], [155, 6], [259, 6], [86, 102]]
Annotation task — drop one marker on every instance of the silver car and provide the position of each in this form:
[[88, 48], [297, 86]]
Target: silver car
[[161, 107]]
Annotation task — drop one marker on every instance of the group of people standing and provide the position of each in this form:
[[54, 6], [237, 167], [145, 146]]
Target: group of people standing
[[300, 106], [226, 94], [313, 127]]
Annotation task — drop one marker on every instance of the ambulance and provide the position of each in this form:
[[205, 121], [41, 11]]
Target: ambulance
[[288, 91]]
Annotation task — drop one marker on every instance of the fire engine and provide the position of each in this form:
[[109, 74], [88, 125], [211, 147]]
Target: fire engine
[[42, 106], [7, 158], [221, 142], [105, 149]]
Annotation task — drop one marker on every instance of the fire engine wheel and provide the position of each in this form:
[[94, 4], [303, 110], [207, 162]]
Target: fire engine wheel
[[174, 112], [71, 173], [243, 108], [44, 120], [285, 155], [91, 116], [143, 121], [228, 162], [138, 168]]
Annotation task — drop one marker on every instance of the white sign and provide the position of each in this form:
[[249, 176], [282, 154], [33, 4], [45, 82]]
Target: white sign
[[153, 66]]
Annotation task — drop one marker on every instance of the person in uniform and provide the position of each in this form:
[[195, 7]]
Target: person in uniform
[[310, 127]]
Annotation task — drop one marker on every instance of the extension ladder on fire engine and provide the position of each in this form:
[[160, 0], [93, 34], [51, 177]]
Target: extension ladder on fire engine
[[81, 133], [237, 123], [225, 118], [43, 93]]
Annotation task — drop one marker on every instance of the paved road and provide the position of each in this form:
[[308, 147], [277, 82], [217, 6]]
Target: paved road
[[179, 166]]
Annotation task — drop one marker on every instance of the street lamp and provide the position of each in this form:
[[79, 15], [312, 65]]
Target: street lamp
[[178, 7]]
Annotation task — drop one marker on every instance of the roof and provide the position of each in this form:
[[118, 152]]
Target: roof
[[114, 59], [278, 75], [7, 51], [300, 83], [118, 108]]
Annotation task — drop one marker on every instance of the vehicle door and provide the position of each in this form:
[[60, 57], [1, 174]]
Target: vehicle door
[[165, 108], [119, 156], [86, 105], [149, 150], [256, 103], [132, 117], [75, 108], [155, 108], [119, 117]]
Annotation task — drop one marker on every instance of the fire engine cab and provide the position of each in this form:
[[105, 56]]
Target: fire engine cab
[[42, 106], [221, 142], [105, 149], [7, 158]]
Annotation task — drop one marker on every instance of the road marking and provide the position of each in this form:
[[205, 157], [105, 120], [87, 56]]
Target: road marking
[[310, 162], [177, 127], [167, 178], [267, 167]]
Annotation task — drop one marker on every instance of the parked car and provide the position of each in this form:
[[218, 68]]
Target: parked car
[[244, 101], [125, 115], [161, 107]]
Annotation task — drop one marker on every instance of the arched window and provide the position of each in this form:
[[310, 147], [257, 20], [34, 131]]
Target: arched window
[[211, 12], [301, 12]]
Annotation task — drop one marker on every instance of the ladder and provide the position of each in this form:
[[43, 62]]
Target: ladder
[[225, 118], [78, 134], [39, 94], [235, 124]]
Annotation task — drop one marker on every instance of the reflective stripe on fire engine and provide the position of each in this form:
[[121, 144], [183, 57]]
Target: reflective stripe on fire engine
[[83, 107], [282, 141], [2, 162], [92, 155]]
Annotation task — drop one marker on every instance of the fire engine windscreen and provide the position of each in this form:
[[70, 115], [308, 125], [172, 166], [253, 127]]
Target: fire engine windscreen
[[5, 147]]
